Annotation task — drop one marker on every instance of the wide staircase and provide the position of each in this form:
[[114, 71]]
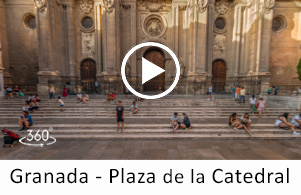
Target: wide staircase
[[96, 119]]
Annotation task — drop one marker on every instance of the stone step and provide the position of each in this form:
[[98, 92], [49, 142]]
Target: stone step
[[160, 131], [175, 136]]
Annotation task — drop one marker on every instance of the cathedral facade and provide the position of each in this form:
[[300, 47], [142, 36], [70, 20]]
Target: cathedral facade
[[81, 43]]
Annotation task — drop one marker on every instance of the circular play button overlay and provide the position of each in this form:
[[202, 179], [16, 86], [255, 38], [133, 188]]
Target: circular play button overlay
[[150, 70]]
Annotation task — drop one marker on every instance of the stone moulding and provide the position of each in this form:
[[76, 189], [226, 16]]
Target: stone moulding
[[86, 6], [268, 5], [222, 8], [202, 5], [154, 5]]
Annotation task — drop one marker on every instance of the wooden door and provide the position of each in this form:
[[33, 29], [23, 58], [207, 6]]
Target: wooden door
[[156, 57], [88, 75], [219, 75]]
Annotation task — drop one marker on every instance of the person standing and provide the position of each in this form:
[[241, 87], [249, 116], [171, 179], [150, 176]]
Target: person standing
[[261, 106], [233, 91], [51, 91], [210, 91], [237, 93], [242, 95], [120, 116], [253, 101], [270, 90], [65, 92], [61, 104]]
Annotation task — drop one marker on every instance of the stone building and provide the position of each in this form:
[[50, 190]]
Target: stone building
[[81, 43]]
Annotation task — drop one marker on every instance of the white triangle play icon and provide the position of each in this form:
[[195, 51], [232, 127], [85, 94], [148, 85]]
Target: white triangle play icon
[[149, 70]]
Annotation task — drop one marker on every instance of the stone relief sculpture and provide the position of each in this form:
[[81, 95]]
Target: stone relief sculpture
[[154, 5], [109, 5], [268, 5], [202, 5], [154, 26], [40, 4], [222, 8], [88, 45], [219, 45], [86, 6]]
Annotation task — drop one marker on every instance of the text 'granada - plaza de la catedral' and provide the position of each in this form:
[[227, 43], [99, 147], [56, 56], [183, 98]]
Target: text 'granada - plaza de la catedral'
[[81, 43]]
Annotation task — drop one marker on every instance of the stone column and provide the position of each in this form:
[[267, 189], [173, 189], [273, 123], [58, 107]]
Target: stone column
[[98, 28], [210, 38], [198, 44], [1, 71], [46, 46], [111, 47], [236, 39], [2, 28]]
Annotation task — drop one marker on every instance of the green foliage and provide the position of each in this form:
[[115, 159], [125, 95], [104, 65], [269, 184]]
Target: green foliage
[[299, 69]]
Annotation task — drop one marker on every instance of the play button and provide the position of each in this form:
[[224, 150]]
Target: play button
[[149, 70]]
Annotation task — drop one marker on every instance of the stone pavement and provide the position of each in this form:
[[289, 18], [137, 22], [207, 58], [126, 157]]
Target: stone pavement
[[85, 129], [159, 149]]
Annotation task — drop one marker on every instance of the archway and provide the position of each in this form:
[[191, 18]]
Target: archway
[[155, 56], [88, 75], [219, 75]]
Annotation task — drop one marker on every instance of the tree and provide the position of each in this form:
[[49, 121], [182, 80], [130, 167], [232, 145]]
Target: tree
[[299, 69]]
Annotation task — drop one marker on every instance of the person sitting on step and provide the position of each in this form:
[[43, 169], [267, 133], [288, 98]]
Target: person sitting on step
[[79, 97], [297, 121], [37, 98], [245, 120], [111, 97], [174, 120], [185, 123], [281, 122], [30, 107], [35, 105], [235, 124], [134, 108], [25, 106], [85, 98], [25, 121]]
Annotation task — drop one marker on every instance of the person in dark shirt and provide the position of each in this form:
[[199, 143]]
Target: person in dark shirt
[[185, 123], [120, 116]]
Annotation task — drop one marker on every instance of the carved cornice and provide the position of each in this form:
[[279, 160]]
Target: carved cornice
[[108, 5], [202, 5], [154, 5], [86, 6], [40, 5], [222, 8], [182, 7], [268, 5]]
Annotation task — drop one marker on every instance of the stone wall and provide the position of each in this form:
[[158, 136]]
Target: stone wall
[[286, 44], [22, 65]]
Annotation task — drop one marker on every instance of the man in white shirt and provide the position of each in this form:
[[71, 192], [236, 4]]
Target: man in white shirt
[[61, 103], [297, 121]]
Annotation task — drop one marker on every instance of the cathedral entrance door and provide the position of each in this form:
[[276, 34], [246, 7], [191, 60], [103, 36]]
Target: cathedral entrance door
[[219, 75], [156, 57], [88, 75]]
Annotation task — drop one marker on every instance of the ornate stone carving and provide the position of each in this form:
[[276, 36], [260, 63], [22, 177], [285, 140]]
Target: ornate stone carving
[[154, 5], [202, 5], [109, 5], [88, 44], [268, 5], [154, 26], [86, 6], [219, 45], [126, 6], [40, 4], [182, 7], [222, 8]]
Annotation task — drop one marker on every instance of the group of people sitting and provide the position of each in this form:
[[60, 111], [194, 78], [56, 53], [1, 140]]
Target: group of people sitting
[[282, 122], [32, 103], [176, 124], [82, 98], [9, 91]]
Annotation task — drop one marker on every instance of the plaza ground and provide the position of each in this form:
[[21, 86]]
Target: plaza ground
[[89, 131]]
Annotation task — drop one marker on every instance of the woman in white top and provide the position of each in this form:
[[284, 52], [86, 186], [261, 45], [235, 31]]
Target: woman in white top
[[252, 101], [282, 123], [245, 120]]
